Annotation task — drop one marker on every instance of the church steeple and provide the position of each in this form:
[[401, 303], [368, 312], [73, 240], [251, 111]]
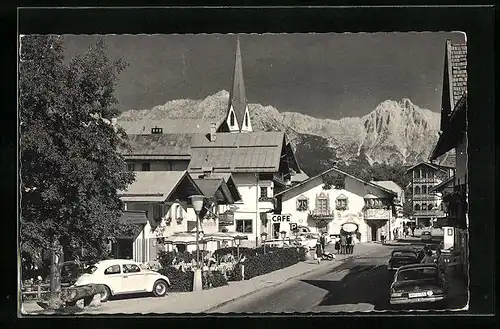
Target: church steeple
[[238, 118]]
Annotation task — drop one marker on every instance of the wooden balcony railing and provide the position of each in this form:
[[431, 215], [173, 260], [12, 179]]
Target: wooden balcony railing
[[316, 214]]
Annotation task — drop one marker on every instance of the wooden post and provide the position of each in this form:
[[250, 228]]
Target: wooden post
[[55, 274]]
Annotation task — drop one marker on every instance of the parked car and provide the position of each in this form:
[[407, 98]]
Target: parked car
[[426, 236], [418, 283], [401, 257], [122, 276], [308, 240]]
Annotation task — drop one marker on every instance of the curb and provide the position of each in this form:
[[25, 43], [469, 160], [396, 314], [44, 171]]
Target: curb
[[278, 283]]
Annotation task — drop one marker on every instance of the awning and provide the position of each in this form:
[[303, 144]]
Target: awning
[[226, 236]]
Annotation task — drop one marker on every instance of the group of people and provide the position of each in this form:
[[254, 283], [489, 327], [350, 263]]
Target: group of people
[[345, 244]]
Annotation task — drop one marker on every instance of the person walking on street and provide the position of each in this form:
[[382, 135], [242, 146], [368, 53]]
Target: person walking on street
[[382, 236], [319, 251], [351, 245], [322, 241], [337, 245], [348, 244], [343, 243], [413, 231], [428, 259]]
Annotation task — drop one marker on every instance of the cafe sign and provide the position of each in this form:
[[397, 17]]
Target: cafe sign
[[377, 214], [278, 218]]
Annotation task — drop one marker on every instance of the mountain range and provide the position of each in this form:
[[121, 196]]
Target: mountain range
[[393, 132]]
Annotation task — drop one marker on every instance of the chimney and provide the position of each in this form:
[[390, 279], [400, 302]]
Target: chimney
[[213, 128]]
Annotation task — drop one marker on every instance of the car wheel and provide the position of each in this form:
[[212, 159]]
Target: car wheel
[[106, 294], [160, 288]]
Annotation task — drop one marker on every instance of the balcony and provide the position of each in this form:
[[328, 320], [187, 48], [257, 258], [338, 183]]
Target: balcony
[[316, 214], [429, 213], [425, 197], [428, 180]]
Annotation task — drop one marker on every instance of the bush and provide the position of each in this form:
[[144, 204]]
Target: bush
[[213, 279], [180, 281], [274, 259], [244, 251]]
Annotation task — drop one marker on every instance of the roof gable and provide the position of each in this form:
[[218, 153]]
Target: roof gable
[[389, 185], [427, 164], [340, 172]]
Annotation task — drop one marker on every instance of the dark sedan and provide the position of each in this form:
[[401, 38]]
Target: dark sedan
[[418, 284], [401, 257]]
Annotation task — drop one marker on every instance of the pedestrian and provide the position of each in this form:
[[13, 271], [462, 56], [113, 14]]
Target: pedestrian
[[382, 236], [337, 245], [319, 251], [428, 259], [348, 243], [413, 231], [353, 243], [343, 243], [322, 241]]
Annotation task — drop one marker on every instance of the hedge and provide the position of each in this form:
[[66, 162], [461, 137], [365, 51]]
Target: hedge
[[166, 257], [183, 281]]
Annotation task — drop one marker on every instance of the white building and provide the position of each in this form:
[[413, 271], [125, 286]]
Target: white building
[[333, 202]]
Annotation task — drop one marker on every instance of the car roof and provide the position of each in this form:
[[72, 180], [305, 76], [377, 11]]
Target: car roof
[[115, 261], [417, 266]]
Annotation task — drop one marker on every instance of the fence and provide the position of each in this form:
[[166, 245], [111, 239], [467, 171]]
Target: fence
[[37, 290]]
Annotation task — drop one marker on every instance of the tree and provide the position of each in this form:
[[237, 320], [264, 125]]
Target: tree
[[70, 167]]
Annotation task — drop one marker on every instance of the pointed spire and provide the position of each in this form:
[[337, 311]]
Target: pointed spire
[[237, 96]]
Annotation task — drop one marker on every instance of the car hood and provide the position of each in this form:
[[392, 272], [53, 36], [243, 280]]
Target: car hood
[[416, 285]]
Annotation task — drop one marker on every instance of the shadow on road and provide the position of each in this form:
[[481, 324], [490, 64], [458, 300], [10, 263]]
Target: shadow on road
[[367, 284], [131, 296]]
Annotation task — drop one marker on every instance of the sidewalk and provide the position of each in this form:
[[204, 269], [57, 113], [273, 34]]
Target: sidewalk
[[197, 302]]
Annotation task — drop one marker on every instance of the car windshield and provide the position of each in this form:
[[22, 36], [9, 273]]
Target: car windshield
[[417, 274], [404, 254], [90, 269]]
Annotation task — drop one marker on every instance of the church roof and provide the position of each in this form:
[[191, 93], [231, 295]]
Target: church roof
[[169, 126], [237, 97]]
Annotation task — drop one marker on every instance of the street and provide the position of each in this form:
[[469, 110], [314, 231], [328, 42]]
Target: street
[[358, 285]]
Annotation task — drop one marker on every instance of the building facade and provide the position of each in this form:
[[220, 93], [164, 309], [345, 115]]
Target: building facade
[[335, 202], [426, 204], [453, 136]]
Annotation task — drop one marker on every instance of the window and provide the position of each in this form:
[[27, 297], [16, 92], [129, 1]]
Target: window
[[417, 190], [246, 119], [341, 202], [417, 207], [131, 268], [130, 166], [424, 206], [302, 204], [244, 226], [420, 173], [322, 205], [115, 269], [424, 189], [430, 206], [232, 119], [146, 166], [263, 192]]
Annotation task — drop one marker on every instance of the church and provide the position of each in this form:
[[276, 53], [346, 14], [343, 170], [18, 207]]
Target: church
[[254, 165]]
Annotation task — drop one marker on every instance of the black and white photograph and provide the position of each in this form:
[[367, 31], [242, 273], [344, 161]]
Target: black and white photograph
[[243, 173]]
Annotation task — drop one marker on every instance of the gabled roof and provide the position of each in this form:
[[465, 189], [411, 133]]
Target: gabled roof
[[388, 184], [432, 165], [448, 160], [160, 146], [299, 177], [216, 188], [238, 152], [159, 186], [442, 185], [340, 172], [457, 57], [237, 97], [169, 126]]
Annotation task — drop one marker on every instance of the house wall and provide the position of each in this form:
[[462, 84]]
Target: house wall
[[461, 158], [354, 191], [246, 209]]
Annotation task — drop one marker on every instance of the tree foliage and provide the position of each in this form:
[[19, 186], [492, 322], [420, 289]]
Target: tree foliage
[[70, 167]]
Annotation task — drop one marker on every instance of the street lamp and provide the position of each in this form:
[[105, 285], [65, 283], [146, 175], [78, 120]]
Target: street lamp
[[283, 236], [197, 202], [263, 237]]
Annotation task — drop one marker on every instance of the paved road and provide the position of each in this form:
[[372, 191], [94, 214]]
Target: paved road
[[357, 285]]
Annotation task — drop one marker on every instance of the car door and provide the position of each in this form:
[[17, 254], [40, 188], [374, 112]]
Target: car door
[[134, 279], [113, 278]]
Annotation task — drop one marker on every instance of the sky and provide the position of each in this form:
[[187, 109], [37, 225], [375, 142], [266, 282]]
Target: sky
[[332, 75]]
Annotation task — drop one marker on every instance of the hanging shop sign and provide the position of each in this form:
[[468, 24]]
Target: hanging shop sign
[[226, 218], [275, 218], [349, 227]]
